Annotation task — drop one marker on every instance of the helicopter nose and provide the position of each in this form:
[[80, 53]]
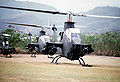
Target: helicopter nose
[[85, 50]]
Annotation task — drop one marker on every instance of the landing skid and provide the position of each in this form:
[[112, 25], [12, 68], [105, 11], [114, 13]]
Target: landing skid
[[8, 56], [83, 64], [82, 61], [56, 58]]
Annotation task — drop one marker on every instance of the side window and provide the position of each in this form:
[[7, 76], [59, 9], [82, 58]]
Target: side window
[[76, 38], [76, 35]]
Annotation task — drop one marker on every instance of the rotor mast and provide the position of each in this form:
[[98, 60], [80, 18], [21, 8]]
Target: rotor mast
[[69, 18]]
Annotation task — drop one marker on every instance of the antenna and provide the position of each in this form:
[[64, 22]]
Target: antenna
[[30, 35], [54, 29], [27, 32], [69, 17]]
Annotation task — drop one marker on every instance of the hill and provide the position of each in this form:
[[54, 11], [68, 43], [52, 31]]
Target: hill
[[27, 17], [101, 24], [93, 24]]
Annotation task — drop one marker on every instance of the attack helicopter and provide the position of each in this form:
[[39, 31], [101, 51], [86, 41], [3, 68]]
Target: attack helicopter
[[41, 39], [5, 49], [71, 42]]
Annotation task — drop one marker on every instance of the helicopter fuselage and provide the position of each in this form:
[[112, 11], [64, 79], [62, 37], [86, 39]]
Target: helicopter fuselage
[[42, 39], [71, 38], [5, 49], [71, 43], [42, 42]]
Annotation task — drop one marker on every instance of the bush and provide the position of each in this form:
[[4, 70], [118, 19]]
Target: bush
[[107, 44], [16, 39]]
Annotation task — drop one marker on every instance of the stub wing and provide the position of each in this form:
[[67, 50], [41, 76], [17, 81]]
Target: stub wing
[[32, 46], [51, 47], [55, 44]]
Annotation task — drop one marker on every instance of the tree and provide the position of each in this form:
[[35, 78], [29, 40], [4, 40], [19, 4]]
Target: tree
[[16, 39]]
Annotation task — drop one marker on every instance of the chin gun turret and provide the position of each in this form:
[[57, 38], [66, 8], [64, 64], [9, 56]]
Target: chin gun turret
[[52, 50]]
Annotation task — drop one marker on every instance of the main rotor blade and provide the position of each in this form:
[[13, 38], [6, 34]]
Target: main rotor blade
[[63, 26], [98, 16], [56, 12], [34, 10], [30, 25], [25, 25]]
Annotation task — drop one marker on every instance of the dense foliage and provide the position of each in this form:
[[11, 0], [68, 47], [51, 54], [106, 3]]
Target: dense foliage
[[16, 39], [104, 44]]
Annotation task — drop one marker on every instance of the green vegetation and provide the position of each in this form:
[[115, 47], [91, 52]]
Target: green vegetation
[[104, 44], [16, 39]]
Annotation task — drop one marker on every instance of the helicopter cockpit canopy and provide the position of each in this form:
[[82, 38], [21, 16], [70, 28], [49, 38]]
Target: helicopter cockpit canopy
[[76, 38], [74, 35], [68, 25], [44, 39], [42, 33]]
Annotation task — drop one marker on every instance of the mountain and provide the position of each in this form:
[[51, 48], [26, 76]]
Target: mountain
[[98, 25], [105, 10], [28, 17]]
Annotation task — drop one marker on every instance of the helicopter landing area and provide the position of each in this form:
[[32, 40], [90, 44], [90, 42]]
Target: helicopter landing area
[[23, 67]]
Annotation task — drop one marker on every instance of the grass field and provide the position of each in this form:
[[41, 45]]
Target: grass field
[[23, 68]]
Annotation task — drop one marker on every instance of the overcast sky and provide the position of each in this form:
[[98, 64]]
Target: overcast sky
[[77, 5]]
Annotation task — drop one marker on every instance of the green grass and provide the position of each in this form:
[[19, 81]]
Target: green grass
[[34, 72]]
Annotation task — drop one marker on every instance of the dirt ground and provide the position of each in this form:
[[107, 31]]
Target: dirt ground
[[22, 67]]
